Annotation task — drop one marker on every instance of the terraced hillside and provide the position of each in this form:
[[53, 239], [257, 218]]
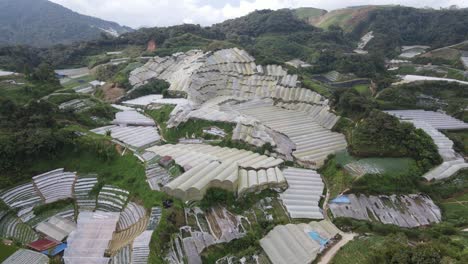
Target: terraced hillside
[[228, 86]]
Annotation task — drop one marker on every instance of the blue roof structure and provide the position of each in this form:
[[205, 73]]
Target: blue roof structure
[[342, 199], [56, 250]]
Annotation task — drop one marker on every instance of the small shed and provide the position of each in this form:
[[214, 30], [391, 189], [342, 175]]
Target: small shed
[[42, 244], [166, 161]]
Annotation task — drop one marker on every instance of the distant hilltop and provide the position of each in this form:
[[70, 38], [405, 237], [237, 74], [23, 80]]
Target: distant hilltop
[[24, 22]]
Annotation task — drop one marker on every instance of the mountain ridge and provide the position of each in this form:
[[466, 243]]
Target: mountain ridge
[[43, 23]]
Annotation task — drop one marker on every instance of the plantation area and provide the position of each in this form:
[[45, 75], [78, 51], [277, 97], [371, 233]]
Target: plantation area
[[305, 155]]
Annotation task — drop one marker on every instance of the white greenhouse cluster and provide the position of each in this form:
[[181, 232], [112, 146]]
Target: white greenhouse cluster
[[131, 129], [45, 188], [299, 244], [431, 122], [212, 166], [265, 103], [302, 197]]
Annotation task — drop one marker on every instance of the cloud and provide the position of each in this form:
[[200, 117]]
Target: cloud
[[138, 13]]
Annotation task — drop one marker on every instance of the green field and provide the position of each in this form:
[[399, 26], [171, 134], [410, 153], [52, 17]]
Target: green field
[[23, 93], [455, 209], [6, 251], [78, 82], [388, 165], [125, 171], [363, 89], [460, 139], [358, 251]]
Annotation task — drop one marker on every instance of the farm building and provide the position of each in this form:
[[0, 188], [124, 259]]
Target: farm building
[[42, 244], [212, 166], [299, 244]]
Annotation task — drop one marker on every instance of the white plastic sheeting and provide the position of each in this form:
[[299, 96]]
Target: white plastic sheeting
[[155, 99], [302, 197], [418, 78], [430, 121], [210, 166], [134, 136], [297, 244], [132, 117], [88, 243], [24, 256], [435, 119], [55, 185], [410, 210], [140, 248], [56, 227]]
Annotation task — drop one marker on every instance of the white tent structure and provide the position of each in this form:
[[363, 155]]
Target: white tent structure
[[132, 117], [88, 243], [133, 136], [212, 166], [23, 256], [297, 244], [56, 227], [302, 197]]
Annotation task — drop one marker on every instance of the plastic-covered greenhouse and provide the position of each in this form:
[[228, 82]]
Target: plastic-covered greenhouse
[[88, 243]]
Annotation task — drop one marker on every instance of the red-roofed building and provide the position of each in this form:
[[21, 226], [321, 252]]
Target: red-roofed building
[[43, 244]]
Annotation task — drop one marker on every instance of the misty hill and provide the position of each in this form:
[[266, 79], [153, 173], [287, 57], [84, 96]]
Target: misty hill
[[43, 23]]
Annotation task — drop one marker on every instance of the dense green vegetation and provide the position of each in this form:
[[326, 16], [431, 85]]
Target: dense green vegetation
[[382, 135], [52, 206], [460, 139], [453, 97], [397, 26], [249, 244], [152, 87], [27, 133], [193, 127], [394, 244]]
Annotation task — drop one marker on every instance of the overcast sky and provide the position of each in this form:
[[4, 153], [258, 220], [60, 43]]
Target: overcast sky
[[138, 13]]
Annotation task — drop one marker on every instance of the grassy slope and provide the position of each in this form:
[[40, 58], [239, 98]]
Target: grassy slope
[[346, 18], [309, 13], [6, 251], [358, 250]]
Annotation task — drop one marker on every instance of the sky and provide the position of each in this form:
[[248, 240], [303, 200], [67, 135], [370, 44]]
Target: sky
[[151, 13]]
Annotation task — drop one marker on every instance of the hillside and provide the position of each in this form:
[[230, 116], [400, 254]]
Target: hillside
[[346, 18], [43, 23], [397, 26], [310, 14]]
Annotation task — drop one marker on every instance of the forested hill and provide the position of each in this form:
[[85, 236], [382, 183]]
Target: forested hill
[[43, 23], [397, 26]]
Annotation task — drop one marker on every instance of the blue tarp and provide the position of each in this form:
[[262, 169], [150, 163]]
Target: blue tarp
[[315, 236], [341, 199], [56, 250]]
